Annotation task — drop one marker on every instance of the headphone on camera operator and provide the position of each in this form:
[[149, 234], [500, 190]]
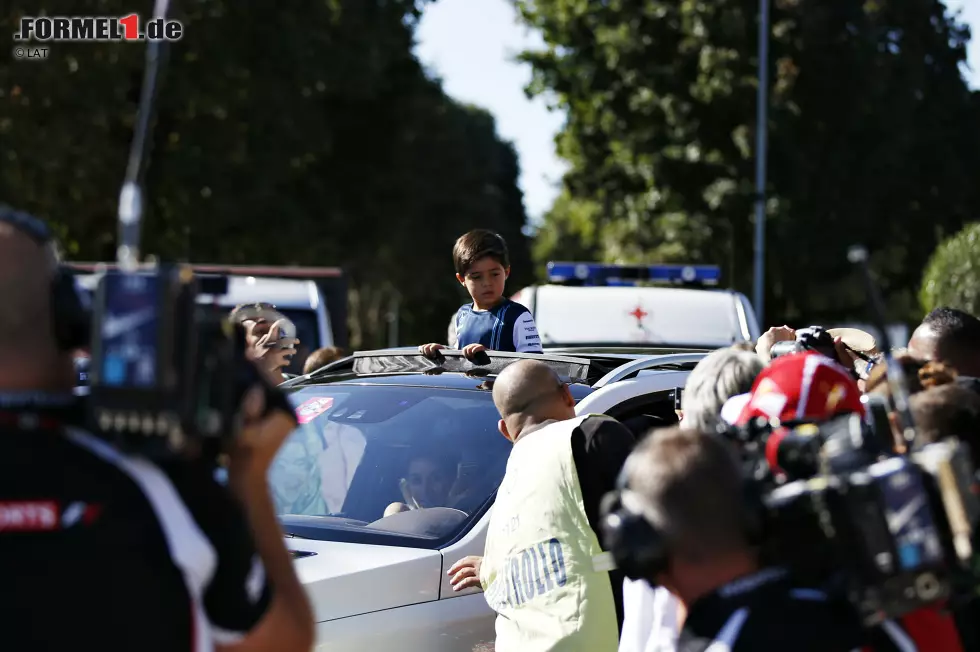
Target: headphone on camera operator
[[70, 307], [639, 548], [70, 312], [685, 514]]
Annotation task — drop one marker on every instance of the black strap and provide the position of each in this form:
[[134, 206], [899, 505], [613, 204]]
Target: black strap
[[37, 410], [750, 583], [36, 400], [26, 224]]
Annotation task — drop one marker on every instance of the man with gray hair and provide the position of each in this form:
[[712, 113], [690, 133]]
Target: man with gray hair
[[721, 375]]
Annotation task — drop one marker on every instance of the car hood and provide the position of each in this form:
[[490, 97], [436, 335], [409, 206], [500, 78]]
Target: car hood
[[347, 579]]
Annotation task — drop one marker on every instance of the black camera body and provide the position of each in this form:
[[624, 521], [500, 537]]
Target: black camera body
[[812, 338], [166, 372], [893, 533]]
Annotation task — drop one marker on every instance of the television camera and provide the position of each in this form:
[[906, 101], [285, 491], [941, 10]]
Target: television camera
[[166, 370], [891, 532], [890, 526], [812, 338], [816, 338]]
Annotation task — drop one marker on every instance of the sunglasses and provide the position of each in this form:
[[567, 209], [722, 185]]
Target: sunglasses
[[252, 312]]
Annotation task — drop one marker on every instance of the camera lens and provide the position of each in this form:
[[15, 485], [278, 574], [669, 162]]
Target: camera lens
[[927, 587]]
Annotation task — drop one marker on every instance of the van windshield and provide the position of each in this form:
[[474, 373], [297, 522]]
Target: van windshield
[[636, 317]]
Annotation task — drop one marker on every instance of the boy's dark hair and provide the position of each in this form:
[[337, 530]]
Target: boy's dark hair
[[322, 357], [477, 244]]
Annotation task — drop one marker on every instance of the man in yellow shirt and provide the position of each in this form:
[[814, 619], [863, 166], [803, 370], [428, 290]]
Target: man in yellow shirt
[[543, 570]]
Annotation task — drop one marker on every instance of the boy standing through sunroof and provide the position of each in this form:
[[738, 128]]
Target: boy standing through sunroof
[[491, 321]]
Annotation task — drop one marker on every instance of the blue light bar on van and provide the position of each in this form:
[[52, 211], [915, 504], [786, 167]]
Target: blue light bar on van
[[612, 275]]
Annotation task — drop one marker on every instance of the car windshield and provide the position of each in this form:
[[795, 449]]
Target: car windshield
[[387, 464]]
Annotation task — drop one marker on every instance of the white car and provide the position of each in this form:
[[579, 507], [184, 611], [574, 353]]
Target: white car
[[596, 304], [391, 477]]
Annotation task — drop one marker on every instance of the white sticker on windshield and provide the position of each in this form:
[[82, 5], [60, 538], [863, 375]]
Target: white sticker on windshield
[[313, 408]]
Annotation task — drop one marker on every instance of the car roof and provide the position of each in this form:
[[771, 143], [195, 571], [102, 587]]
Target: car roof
[[406, 366], [283, 293], [642, 316], [450, 380], [623, 352]]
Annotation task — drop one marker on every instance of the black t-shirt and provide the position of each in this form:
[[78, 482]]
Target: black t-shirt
[[600, 446], [766, 611], [110, 552]]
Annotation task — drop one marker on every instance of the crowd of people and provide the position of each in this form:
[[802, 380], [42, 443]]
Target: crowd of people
[[682, 525], [673, 507], [599, 539]]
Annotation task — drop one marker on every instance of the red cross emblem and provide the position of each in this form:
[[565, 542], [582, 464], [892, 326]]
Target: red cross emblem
[[639, 314]]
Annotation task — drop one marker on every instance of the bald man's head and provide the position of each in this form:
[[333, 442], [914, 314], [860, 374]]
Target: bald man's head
[[527, 392]]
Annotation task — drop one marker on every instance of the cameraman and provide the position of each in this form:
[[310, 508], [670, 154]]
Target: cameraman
[[104, 550], [811, 388], [684, 521]]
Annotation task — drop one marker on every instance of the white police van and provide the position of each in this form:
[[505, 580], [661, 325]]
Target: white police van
[[605, 305]]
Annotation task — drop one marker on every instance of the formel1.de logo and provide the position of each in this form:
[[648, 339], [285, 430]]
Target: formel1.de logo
[[47, 29]]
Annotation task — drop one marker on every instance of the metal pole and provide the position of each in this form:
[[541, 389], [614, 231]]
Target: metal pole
[[131, 196], [393, 316], [761, 135]]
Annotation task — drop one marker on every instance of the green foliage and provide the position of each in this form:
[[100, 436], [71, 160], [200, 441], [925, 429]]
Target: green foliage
[[952, 277], [304, 134], [873, 139]]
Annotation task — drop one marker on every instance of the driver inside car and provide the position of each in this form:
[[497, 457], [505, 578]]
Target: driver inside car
[[431, 481]]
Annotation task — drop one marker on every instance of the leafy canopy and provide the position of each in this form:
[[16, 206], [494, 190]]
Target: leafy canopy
[[952, 277], [872, 128], [306, 134]]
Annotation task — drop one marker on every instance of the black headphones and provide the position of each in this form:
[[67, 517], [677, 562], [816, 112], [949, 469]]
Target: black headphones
[[640, 550], [70, 308]]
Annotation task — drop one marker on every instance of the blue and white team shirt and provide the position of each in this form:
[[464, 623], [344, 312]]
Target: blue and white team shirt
[[508, 326]]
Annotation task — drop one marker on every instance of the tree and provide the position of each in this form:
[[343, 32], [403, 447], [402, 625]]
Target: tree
[[872, 130], [952, 277], [306, 135]]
